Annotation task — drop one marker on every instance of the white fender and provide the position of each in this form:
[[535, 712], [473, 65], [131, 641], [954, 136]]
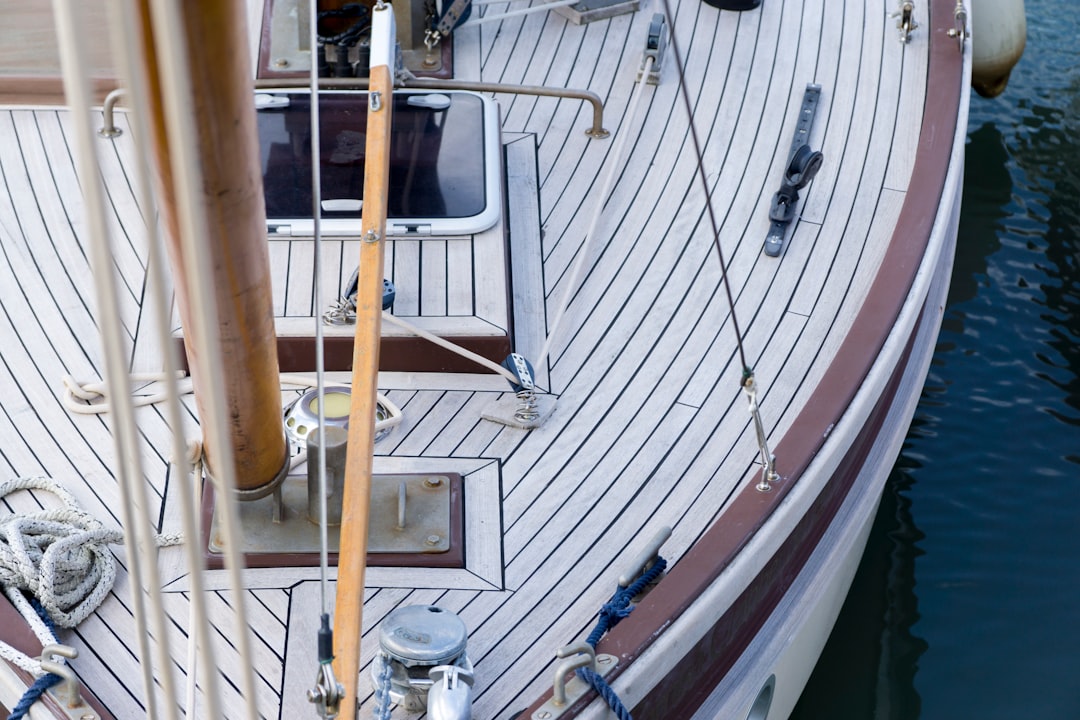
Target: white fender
[[998, 36]]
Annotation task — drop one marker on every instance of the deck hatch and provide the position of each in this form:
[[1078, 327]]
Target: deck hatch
[[445, 158]]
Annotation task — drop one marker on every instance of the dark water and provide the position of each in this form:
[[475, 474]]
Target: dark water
[[967, 602]]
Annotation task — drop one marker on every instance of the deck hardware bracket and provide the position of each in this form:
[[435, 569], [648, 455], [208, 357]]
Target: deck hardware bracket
[[375, 101], [655, 47], [67, 692], [504, 410], [531, 409], [278, 515], [343, 310], [566, 692], [960, 30], [768, 460], [371, 236], [802, 165], [401, 498], [525, 388], [596, 130], [645, 558], [327, 693], [108, 130], [905, 23]]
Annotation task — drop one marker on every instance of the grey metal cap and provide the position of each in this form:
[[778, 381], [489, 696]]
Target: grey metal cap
[[423, 635]]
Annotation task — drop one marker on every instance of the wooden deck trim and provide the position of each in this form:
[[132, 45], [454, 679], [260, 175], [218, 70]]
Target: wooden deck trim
[[47, 90], [750, 510]]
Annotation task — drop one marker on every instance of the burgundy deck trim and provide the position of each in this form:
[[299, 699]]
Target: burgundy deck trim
[[713, 656], [402, 354], [750, 510], [48, 89], [405, 354]]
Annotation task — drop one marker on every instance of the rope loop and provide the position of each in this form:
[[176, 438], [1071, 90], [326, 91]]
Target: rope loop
[[611, 613], [59, 555]]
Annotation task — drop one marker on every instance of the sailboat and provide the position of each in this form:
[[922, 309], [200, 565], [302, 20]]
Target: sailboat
[[622, 314]]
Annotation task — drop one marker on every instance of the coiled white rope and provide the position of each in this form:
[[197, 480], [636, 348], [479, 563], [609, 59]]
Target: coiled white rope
[[59, 555]]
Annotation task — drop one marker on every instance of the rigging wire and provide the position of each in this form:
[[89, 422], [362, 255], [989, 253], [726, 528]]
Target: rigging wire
[[715, 227], [177, 94], [320, 373], [747, 383], [328, 692], [123, 25], [142, 569]]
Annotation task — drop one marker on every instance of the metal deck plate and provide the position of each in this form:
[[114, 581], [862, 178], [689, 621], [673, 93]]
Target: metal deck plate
[[433, 524]]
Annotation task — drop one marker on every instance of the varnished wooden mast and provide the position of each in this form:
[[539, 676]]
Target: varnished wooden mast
[[349, 605], [228, 151]]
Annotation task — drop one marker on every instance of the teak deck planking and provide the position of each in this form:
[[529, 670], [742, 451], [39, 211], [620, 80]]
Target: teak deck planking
[[649, 426]]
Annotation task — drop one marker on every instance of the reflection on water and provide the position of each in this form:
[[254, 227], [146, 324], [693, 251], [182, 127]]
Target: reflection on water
[[964, 605], [868, 668]]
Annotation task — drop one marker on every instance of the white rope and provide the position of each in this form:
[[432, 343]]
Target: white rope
[[89, 392], [59, 555], [605, 191], [94, 395], [444, 343], [44, 635], [543, 7], [142, 559]]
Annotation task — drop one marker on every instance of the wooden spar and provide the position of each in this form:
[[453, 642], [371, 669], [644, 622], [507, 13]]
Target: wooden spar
[[216, 37], [349, 605]]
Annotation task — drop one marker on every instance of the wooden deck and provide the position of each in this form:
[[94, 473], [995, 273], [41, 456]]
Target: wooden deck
[[650, 427]]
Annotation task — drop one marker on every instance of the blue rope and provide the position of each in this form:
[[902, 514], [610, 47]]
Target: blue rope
[[605, 691], [32, 694], [611, 614], [44, 615], [618, 607], [43, 683]]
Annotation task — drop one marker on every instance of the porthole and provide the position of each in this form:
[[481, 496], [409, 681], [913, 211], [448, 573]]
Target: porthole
[[760, 709]]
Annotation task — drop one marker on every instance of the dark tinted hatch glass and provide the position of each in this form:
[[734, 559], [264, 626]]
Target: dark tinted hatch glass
[[436, 155]]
